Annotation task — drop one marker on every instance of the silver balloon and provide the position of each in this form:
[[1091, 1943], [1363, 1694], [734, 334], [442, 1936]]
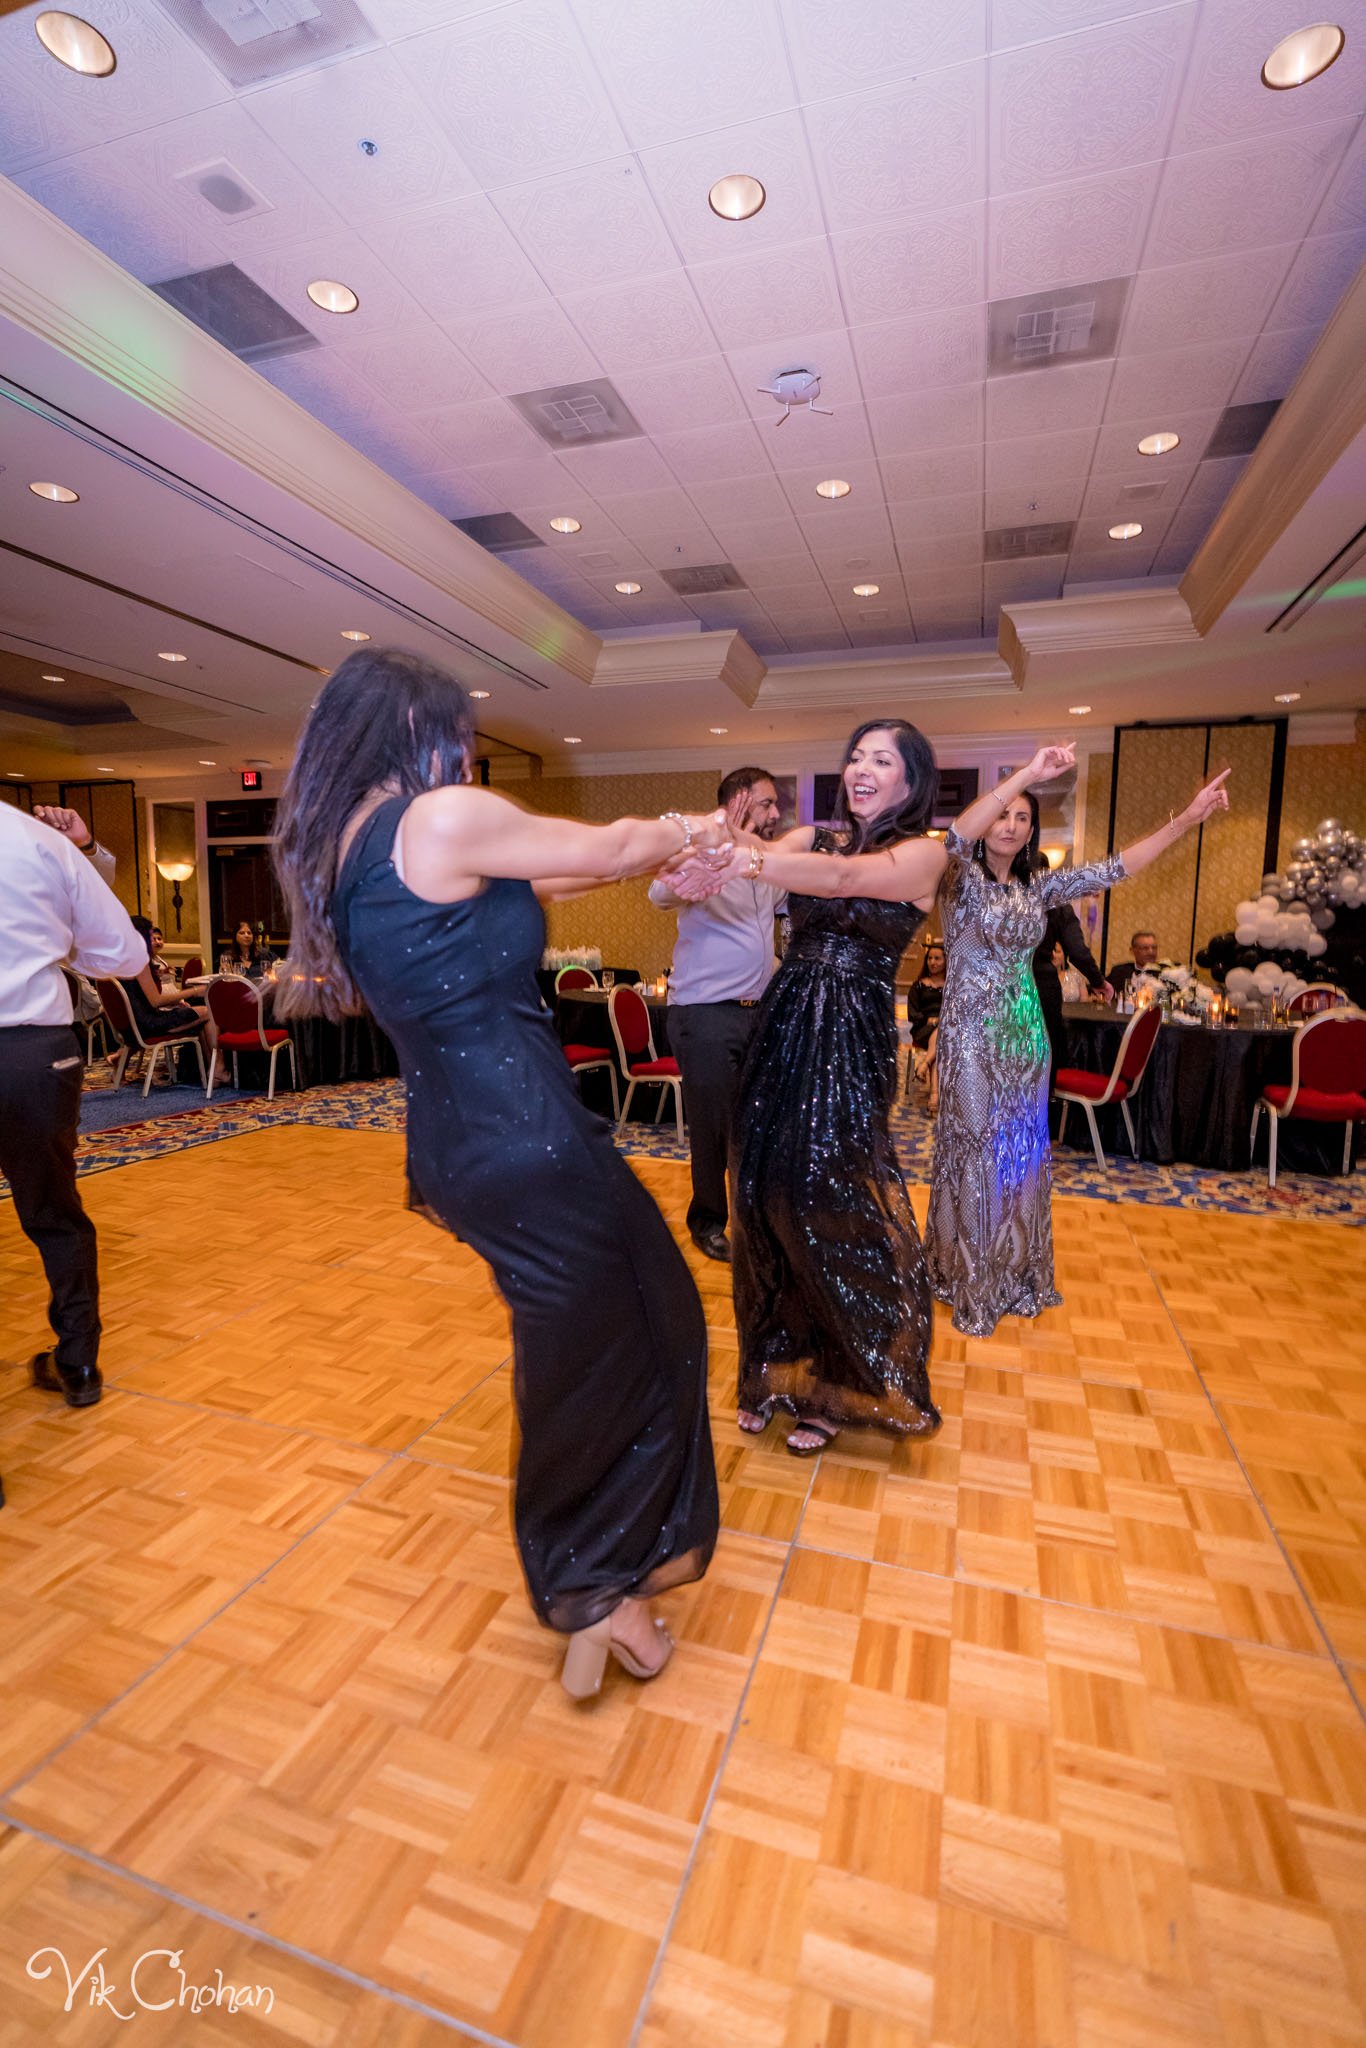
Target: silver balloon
[[1321, 919], [1285, 890], [1302, 848], [1326, 826]]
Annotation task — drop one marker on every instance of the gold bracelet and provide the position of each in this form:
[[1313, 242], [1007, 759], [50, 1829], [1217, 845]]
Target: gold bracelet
[[756, 864]]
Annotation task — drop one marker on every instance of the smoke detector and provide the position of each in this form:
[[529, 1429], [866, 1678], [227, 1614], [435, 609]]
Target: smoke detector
[[796, 387]]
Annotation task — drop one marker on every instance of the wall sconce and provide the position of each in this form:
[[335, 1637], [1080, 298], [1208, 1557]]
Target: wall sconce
[[176, 872]]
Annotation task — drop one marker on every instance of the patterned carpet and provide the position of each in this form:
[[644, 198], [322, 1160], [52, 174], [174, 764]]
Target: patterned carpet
[[378, 1106]]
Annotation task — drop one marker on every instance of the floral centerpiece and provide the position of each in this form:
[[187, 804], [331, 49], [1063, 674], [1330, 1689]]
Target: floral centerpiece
[[1163, 982]]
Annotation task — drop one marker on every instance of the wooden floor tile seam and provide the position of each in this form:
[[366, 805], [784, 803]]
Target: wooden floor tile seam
[[169, 1895], [1262, 1508], [704, 1817]]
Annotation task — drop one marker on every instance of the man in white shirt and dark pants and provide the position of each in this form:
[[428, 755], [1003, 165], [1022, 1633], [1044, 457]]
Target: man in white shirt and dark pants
[[722, 964], [56, 913]]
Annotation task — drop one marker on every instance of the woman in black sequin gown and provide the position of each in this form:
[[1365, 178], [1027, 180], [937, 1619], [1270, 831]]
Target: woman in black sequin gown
[[415, 892], [832, 1302]]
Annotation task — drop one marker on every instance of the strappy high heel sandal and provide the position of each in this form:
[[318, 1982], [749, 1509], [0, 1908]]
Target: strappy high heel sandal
[[586, 1653]]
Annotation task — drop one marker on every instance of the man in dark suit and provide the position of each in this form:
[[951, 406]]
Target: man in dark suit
[[1143, 947], [1063, 929]]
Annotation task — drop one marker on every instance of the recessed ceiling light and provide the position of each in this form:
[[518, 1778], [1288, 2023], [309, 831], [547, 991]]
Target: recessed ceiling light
[[866, 589], [74, 43], [833, 487], [16, 774], [628, 589], [208, 764], [1289, 696], [1130, 530], [1078, 710], [479, 695], [332, 297], [572, 739], [353, 633], [173, 657], [564, 524], [1304, 55], [104, 771], [737, 197], [56, 494], [719, 730], [54, 679], [1158, 444]]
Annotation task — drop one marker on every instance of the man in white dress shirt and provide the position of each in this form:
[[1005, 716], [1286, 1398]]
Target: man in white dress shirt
[[57, 913], [722, 964]]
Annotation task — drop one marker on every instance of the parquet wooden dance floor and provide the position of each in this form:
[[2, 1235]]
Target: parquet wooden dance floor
[[1040, 1736]]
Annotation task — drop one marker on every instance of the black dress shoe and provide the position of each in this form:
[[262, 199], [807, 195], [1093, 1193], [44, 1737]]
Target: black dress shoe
[[714, 1243], [79, 1390]]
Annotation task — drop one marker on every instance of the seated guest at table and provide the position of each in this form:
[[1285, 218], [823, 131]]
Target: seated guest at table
[[157, 1009], [1143, 947], [1063, 934], [923, 1000], [248, 954], [722, 964]]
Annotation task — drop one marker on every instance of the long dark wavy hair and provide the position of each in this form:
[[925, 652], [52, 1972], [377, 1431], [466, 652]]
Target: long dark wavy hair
[[1028, 857], [911, 818], [385, 720]]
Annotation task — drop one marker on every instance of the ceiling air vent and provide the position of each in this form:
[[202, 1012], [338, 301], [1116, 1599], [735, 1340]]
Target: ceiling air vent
[[1141, 494], [1240, 428], [222, 186], [227, 304], [706, 581], [1019, 543], [1047, 329], [502, 533], [250, 41], [577, 415]]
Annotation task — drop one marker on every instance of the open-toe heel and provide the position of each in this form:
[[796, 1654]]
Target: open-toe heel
[[629, 1661], [585, 1659]]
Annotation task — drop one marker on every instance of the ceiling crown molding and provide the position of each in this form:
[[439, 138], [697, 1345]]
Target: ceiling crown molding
[[51, 279], [879, 685], [1312, 430], [1141, 617], [677, 658]]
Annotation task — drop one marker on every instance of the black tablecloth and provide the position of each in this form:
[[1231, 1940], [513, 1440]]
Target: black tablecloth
[[581, 1019], [325, 1053], [1197, 1096]]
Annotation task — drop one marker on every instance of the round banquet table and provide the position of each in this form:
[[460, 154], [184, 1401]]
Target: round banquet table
[[355, 1049], [1197, 1096], [545, 980], [581, 1019]]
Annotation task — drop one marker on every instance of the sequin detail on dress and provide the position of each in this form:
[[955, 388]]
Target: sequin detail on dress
[[989, 1237], [832, 1300]]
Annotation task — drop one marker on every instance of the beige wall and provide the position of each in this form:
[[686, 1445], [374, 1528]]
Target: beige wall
[[1323, 782]]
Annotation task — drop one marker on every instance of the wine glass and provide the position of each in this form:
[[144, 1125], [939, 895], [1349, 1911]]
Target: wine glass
[[608, 978]]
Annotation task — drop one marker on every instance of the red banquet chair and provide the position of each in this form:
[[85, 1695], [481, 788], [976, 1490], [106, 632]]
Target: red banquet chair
[[193, 969], [636, 1052], [1327, 1081], [1120, 1085], [570, 978], [117, 1008], [1320, 995], [235, 1007]]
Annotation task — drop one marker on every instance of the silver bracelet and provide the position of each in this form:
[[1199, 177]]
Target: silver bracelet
[[1003, 801], [677, 818]]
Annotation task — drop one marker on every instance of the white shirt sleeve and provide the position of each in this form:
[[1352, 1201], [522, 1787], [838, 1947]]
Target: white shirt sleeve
[[104, 864], [103, 938], [663, 898]]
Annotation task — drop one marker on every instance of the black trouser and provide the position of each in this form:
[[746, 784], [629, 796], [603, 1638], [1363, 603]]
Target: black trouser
[[40, 1102], [1049, 985], [709, 1041]]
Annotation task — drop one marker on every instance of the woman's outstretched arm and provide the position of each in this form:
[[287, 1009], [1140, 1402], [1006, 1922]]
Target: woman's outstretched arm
[[984, 810], [906, 873], [1213, 797], [452, 838]]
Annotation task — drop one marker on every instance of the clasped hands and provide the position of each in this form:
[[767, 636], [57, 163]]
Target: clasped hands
[[719, 851]]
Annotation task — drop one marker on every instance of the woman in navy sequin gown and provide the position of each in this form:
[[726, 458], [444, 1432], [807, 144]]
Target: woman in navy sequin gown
[[413, 891], [989, 1237], [832, 1302]]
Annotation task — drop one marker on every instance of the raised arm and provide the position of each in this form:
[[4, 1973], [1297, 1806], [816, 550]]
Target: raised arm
[[984, 810], [907, 873], [1213, 797], [452, 838]]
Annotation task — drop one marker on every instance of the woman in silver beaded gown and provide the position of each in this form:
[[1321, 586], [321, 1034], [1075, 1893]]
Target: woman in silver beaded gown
[[989, 1238]]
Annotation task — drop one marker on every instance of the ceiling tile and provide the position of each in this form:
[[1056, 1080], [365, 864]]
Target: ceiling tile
[[224, 133], [1241, 197], [1039, 459], [529, 350], [1196, 302], [1344, 209], [650, 515], [738, 501], [1086, 103], [453, 494], [1046, 401], [416, 369], [817, 643], [1183, 537], [844, 45], [896, 356], [924, 519], [850, 541], [931, 627], [1179, 379], [286, 273], [912, 148], [692, 64], [1033, 21], [396, 19], [810, 441], [769, 293], [933, 473], [707, 453], [1068, 234], [615, 469], [353, 409], [1134, 558], [320, 118], [639, 325], [148, 239], [515, 91], [1092, 536], [683, 396], [588, 227], [472, 434], [1317, 279], [778, 535], [778, 577], [773, 151], [862, 475], [1273, 365], [1030, 582], [1117, 444], [1224, 95], [458, 259], [1213, 481], [948, 555], [945, 419], [527, 479], [914, 266], [1109, 496], [1034, 504]]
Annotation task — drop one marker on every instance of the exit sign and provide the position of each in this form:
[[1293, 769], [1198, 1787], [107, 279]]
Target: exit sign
[[251, 778]]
